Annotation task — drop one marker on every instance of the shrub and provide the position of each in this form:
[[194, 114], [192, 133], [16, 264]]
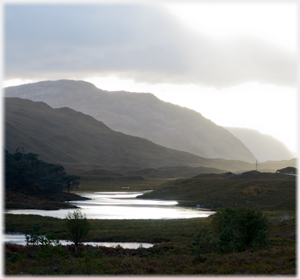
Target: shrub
[[78, 226], [227, 241], [34, 236], [239, 229], [203, 243]]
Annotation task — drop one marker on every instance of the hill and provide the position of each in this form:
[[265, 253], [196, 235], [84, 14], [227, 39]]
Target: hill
[[263, 147], [140, 114], [80, 142], [258, 190], [74, 139]]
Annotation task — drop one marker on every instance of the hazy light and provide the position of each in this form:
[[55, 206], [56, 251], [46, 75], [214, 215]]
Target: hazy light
[[16, 81], [266, 108], [275, 23]]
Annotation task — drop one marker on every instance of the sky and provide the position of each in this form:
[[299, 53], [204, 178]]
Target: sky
[[235, 62]]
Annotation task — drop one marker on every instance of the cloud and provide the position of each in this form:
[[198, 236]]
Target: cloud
[[141, 42]]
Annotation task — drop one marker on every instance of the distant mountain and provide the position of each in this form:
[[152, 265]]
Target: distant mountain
[[263, 147], [140, 114], [74, 139]]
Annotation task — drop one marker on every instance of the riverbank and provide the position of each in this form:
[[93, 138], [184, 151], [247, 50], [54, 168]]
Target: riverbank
[[17, 200], [172, 254]]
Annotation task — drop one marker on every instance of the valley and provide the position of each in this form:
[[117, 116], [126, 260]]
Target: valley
[[56, 140]]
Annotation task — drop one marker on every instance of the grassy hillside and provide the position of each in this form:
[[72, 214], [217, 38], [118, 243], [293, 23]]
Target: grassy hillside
[[263, 191]]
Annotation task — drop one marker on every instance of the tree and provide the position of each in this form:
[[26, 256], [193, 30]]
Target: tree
[[28, 174], [71, 181], [240, 228], [78, 226]]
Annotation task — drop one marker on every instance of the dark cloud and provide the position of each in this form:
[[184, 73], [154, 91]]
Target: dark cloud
[[144, 43]]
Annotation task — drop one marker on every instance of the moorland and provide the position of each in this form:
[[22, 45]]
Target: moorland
[[174, 251], [63, 138]]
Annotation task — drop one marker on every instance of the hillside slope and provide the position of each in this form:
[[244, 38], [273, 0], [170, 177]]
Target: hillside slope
[[140, 114], [257, 190], [263, 147], [72, 138]]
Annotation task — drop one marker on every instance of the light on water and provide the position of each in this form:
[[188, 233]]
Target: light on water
[[21, 240], [115, 205], [121, 205]]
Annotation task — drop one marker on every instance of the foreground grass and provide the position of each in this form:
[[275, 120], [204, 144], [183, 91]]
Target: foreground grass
[[163, 259], [153, 231], [172, 253]]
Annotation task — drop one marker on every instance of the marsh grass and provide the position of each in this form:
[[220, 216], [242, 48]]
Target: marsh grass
[[172, 254], [153, 231], [164, 259]]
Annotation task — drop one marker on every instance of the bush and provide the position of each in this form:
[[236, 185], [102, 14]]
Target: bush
[[203, 243], [78, 226], [239, 229]]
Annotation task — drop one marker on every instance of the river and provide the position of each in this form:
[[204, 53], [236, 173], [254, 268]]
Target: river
[[121, 205], [21, 240], [115, 205]]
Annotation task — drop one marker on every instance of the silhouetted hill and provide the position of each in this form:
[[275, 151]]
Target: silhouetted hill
[[142, 115], [78, 141], [72, 138], [263, 147]]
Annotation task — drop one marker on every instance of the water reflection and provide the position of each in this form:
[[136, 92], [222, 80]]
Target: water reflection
[[121, 205], [21, 240]]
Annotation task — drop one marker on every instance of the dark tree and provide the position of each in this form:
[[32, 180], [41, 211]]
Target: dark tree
[[28, 174], [78, 226], [240, 228], [71, 181]]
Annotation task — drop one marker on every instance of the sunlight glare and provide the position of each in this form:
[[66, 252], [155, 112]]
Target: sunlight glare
[[266, 108], [275, 23], [15, 82]]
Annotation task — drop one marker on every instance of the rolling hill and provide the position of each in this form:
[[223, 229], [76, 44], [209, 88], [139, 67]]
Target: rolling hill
[[140, 114]]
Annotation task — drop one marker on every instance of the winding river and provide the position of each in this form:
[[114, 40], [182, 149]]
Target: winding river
[[121, 205], [115, 205]]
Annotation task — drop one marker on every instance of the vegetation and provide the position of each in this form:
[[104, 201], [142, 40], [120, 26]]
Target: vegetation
[[29, 175], [240, 229], [248, 240], [174, 253], [256, 190], [78, 226], [33, 183]]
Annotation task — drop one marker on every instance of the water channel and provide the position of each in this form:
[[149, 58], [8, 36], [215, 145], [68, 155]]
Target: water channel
[[121, 205], [115, 205], [21, 240]]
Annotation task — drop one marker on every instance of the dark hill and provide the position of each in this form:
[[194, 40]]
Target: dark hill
[[142, 115], [72, 138], [257, 190]]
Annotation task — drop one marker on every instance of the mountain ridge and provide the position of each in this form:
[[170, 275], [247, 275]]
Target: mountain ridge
[[69, 137], [140, 114]]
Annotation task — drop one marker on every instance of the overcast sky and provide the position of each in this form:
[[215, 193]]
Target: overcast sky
[[213, 57]]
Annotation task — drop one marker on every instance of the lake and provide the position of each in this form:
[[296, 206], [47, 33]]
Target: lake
[[121, 205]]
